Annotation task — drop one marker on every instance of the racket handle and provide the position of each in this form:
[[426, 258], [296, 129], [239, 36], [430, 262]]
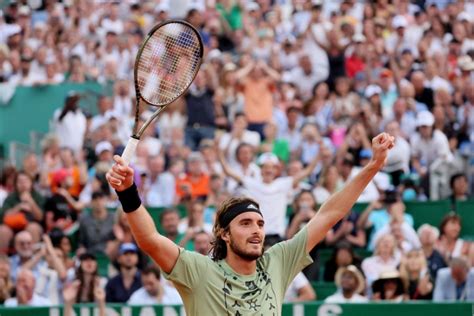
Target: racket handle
[[129, 150]]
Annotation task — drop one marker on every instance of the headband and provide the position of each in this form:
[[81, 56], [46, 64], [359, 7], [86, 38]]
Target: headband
[[236, 210]]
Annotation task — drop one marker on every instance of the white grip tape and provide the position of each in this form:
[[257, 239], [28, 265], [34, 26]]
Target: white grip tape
[[130, 150]]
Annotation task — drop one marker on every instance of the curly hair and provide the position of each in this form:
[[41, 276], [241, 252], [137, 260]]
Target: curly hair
[[219, 247]]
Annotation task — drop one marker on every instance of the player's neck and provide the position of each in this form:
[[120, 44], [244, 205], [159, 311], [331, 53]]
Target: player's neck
[[240, 265]]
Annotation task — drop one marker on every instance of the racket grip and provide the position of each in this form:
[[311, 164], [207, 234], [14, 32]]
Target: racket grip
[[129, 150]]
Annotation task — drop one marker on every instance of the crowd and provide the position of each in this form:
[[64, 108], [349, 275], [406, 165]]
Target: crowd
[[283, 110]]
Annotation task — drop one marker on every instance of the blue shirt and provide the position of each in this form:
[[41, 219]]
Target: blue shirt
[[115, 291]]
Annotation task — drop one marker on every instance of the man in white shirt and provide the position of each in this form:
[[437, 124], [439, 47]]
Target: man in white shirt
[[350, 283], [272, 191], [25, 296], [70, 123], [159, 185], [300, 290]]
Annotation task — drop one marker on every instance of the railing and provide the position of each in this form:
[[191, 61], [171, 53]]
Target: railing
[[306, 309]]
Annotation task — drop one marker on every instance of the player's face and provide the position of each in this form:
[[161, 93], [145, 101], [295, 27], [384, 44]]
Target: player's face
[[246, 236]]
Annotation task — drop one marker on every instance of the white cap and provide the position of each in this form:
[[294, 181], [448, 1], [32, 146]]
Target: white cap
[[214, 54], [252, 6], [424, 118], [103, 146], [359, 38], [162, 7], [399, 21], [372, 90], [465, 63], [24, 10], [268, 158], [464, 16]]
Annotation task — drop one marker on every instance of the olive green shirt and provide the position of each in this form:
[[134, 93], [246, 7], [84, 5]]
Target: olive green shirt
[[210, 287]]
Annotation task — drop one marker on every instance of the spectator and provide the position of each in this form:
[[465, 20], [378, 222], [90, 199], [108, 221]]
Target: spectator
[[449, 244], [193, 222], [26, 257], [348, 170], [404, 234], [6, 284], [329, 183], [22, 209], [350, 283], [25, 294], [455, 283], [415, 274], [273, 144], [300, 290], [202, 242], [342, 256], [389, 287], [70, 123], [428, 237], [71, 292], [399, 157], [384, 259], [245, 165], [459, 187], [196, 182], [169, 221], [159, 184], [96, 228], [346, 230], [120, 288], [151, 293]]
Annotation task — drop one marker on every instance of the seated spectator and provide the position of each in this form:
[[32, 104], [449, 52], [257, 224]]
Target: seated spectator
[[122, 234], [378, 214], [350, 283], [151, 293], [449, 244], [202, 243], [196, 182], [346, 230], [329, 183], [24, 290], [22, 209], [459, 187], [404, 234], [71, 292], [388, 287], [6, 284], [342, 256], [455, 283], [428, 236], [304, 208], [96, 228], [86, 278], [300, 290], [25, 257], [415, 275], [62, 242], [121, 287], [385, 259]]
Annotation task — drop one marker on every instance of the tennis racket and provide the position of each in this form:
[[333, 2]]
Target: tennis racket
[[166, 64]]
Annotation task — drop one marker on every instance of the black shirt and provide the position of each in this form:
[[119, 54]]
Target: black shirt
[[426, 97], [60, 207], [115, 291], [435, 262]]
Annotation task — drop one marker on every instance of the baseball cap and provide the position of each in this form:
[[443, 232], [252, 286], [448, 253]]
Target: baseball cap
[[372, 90], [127, 247], [103, 146], [424, 118], [399, 21]]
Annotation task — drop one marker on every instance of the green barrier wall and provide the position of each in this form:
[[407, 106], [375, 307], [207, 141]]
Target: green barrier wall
[[313, 309], [31, 109]]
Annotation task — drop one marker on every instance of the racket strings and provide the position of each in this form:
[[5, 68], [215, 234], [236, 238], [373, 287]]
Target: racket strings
[[168, 63]]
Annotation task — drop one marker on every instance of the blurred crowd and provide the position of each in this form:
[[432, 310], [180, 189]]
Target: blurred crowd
[[283, 110]]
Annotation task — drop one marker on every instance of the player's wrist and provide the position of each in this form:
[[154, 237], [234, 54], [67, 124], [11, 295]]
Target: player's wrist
[[129, 198]]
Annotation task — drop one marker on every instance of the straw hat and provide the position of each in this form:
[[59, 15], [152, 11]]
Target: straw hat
[[357, 274]]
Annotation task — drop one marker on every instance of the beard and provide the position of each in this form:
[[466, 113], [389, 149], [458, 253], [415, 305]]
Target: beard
[[246, 255]]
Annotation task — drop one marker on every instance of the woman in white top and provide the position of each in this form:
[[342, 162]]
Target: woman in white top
[[329, 183]]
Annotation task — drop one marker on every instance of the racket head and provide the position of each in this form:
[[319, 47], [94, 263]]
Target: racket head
[[167, 62]]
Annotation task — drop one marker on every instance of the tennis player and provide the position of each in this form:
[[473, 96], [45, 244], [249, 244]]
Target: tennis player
[[239, 278]]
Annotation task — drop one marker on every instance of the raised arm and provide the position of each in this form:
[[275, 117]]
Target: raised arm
[[225, 166], [163, 251], [340, 203]]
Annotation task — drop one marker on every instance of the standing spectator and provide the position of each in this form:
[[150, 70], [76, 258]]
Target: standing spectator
[[122, 286], [423, 94], [399, 157], [455, 283], [159, 184], [96, 228], [195, 184], [350, 283], [25, 294], [70, 123]]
